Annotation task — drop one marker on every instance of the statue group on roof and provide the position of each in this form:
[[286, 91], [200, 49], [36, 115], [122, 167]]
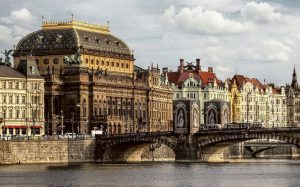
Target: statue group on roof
[[6, 60]]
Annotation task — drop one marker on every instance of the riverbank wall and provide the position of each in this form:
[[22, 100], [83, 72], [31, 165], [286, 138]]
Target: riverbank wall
[[47, 151]]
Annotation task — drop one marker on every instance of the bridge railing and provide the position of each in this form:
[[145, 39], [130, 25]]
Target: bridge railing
[[256, 130], [140, 134]]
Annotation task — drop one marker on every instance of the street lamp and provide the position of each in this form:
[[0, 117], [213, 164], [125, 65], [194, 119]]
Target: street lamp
[[62, 122]]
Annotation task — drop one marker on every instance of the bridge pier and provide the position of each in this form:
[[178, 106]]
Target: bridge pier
[[186, 149], [295, 153]]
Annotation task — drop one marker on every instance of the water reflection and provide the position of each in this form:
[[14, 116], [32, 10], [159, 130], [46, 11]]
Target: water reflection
[[285, 173]]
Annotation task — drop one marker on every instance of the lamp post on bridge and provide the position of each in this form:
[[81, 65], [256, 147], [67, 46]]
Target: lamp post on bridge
[[62, 122]]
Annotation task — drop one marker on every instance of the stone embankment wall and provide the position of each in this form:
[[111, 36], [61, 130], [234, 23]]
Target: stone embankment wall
[[47, 151]]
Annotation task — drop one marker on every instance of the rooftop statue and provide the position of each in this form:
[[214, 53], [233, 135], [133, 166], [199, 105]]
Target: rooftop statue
[[73, 59], [6, 57]]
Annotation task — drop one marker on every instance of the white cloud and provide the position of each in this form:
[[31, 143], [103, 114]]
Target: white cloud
[[199, 20], [260, 12], [15, 26], [20, 17]]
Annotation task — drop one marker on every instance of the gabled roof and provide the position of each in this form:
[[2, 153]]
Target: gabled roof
[[241, 80], [205, 77]]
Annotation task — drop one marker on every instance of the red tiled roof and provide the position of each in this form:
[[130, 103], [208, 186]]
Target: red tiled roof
[[206, 77]]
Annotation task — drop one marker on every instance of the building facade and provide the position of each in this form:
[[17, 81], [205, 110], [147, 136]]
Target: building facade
[[91, 81], [293, 102], [21, 100], [252, 101], [192, 82]]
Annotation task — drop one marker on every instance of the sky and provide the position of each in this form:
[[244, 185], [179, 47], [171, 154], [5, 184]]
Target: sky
[[259, 39]]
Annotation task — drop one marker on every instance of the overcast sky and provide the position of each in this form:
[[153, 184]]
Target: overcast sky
[[258, 39]]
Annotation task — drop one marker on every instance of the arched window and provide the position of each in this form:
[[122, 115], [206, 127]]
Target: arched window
[[46, 61], [86, 60], [55, 60]]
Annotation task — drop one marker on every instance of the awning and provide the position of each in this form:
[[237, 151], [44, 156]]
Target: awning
[[15, 126], [36, 127]]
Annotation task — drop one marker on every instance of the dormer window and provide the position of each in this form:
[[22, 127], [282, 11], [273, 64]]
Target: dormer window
[[58, 38], [86, 38], [39, 39], [97, 41], [117, 43], [107, 41]]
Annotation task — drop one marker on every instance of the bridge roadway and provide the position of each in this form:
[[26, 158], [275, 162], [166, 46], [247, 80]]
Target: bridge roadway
[[201, 146]]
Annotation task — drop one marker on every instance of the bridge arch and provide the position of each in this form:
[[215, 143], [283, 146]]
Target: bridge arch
[[135, 149], [211, 149]]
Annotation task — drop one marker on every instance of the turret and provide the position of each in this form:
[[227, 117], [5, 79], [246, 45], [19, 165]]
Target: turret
[[294, 81]]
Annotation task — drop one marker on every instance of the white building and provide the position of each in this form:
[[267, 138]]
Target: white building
[[191, 81], [21, 100]]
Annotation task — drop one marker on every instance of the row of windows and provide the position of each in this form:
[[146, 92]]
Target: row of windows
[[20, 114], [18, 99], [18, 131], [113, 64], [19, 85]]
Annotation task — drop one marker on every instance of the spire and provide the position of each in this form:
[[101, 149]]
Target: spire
[[294, 81]]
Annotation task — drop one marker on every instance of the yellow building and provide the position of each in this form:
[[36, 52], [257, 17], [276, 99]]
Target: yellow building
[[258, 102], [235, 100], [92, 82], [21, 100]]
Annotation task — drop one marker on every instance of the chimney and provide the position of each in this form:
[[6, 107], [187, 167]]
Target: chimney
[[165, 70], [210, 70], [181, 65], [198, 64]]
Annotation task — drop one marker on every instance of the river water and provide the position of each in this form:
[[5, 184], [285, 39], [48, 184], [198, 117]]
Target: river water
[[282, 173]]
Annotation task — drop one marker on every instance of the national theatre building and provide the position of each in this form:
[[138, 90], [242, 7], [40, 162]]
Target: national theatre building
[[91, 81]]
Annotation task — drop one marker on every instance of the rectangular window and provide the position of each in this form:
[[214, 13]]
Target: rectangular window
[[10, 85], [23, 99], [17, 99], [10, 115], [23, 114], [3, 84], [4, 98], [18, 114], [10, 99], [4, 113]]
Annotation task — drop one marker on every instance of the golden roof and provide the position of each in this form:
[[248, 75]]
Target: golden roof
[[75, 25]]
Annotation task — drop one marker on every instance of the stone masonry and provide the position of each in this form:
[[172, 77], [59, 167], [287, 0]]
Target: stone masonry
[[50, 151]]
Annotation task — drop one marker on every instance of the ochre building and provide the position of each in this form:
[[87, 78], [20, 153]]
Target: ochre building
[[91, 81]]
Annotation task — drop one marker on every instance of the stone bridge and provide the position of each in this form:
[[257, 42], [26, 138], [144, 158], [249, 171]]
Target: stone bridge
[[200, 146]]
